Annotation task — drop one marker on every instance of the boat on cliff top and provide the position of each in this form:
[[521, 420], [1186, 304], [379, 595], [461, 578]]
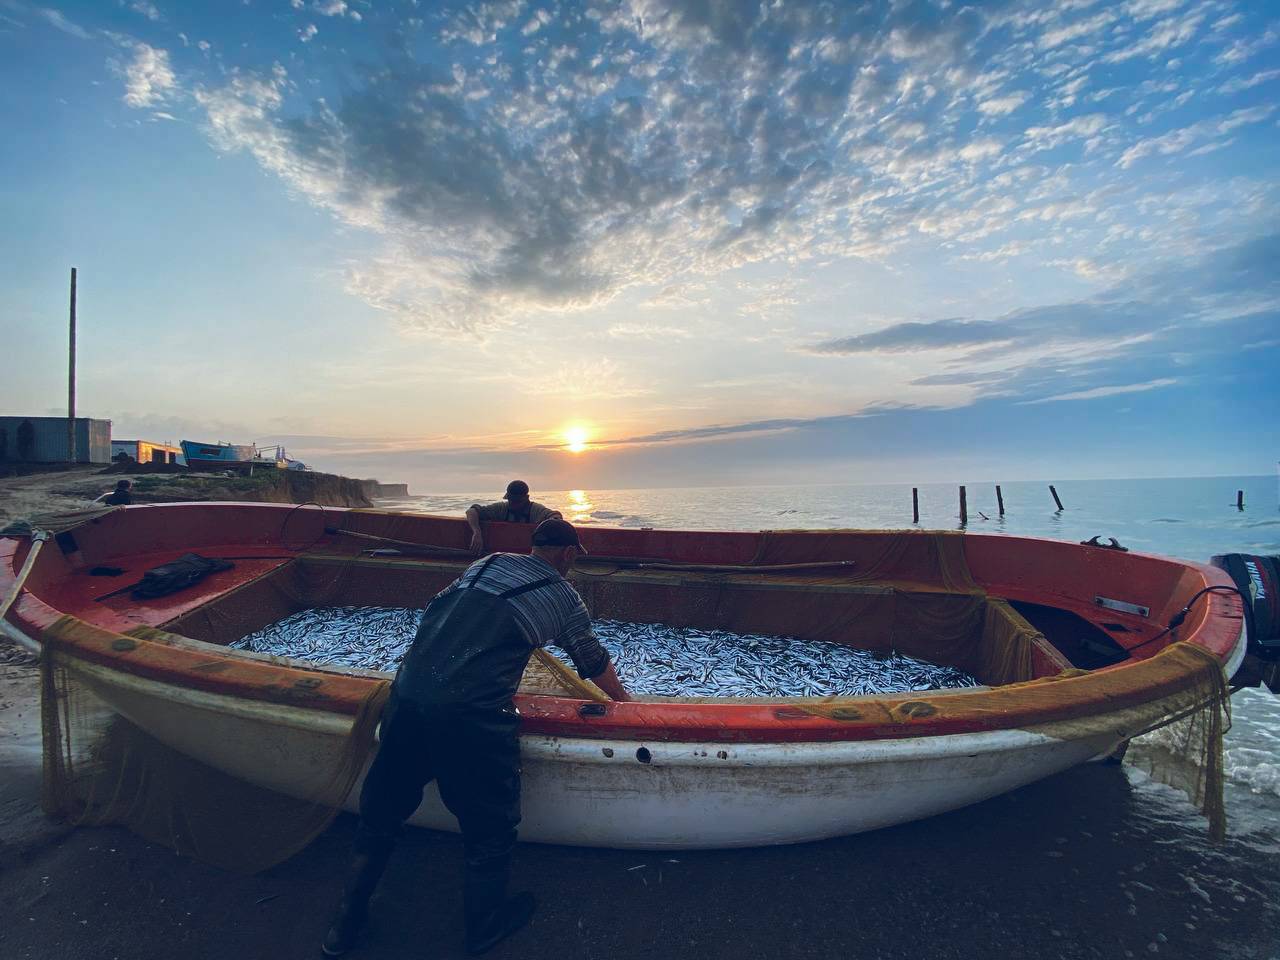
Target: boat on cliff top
[[1069, 644]]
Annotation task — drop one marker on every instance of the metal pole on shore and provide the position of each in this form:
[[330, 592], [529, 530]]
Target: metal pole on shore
[[964, 506], [1000, 499], [915, 505], [1055, 497], [71, 378]]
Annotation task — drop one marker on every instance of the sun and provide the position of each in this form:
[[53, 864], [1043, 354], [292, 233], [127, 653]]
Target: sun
[[575, 439]]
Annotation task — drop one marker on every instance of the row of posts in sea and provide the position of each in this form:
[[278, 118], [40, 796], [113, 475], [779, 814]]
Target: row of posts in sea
[[964, 503]]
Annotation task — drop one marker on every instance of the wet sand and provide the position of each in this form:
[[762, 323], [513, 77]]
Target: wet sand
[[1096, 862]]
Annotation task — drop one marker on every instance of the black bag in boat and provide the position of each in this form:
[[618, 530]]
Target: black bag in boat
[[177, 575]]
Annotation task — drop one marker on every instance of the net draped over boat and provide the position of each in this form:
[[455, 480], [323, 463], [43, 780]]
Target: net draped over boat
[[913, 594], [100, 768]]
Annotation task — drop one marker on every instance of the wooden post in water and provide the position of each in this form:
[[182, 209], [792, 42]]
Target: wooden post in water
[[71, 378], [1239, 499], [915, 505], [1000, 499], [1055, 497], [964, 506]]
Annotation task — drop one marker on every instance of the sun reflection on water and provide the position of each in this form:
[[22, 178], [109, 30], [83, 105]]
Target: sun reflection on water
[[580, 506]]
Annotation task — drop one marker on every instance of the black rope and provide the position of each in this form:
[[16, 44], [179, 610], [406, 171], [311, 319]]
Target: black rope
[[1181, 615], [289, 516]]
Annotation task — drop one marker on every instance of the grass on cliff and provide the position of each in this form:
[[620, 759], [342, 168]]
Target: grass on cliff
[[195, 486], [270, 486]]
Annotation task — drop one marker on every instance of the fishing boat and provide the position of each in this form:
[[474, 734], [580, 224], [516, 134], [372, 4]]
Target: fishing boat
[[1072, 645], [218, 456], [235, 456]]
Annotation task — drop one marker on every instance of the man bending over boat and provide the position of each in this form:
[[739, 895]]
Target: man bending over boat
[[450, 718], [516, 507]]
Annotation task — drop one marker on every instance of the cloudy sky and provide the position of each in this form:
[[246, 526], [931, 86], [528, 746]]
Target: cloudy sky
[[729, 241]]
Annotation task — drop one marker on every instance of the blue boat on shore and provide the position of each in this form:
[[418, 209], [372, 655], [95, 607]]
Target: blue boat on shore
[[219, 456]]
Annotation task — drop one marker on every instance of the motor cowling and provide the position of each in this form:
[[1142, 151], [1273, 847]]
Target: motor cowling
[[1258, 580]]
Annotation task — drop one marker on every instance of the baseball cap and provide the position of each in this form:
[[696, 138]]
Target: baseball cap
[[557, 533]]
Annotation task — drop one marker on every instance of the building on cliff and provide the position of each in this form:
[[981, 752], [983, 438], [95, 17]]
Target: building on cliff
[[44, 440], [146, 451]]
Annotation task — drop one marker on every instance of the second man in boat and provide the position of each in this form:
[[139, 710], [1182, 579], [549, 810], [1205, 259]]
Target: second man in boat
[[515, 507]]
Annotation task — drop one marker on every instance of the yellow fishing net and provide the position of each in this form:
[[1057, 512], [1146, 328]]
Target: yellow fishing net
[[101, 768]]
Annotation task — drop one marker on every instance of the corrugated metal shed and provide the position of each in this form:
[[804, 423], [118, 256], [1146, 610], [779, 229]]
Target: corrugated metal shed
[[48, 440]]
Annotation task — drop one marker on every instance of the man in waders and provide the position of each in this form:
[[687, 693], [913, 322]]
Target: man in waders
[[450, 719]]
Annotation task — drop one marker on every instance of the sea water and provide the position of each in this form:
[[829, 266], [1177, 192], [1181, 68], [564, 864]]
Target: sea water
[[1134, 852]]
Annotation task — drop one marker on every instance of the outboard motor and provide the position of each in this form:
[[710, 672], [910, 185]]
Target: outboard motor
[[1258, 580]]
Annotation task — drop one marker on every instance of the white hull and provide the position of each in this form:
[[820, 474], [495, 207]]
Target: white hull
[[687, 795]]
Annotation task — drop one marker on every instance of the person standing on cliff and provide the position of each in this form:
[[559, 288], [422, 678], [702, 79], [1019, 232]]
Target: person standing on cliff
[[516, 507], [450, 718]]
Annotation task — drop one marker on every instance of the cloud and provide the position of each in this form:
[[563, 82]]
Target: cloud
[[967, 378], [1095, 393], [1237, 84], [915, 335], [55, 18], [1173, 317], [641, 331], [520, 172], [695, 146], [1046, 138], [146, 8], [981, 149], [999, 106], [1057, 36], [148, 77], [1178, 141]]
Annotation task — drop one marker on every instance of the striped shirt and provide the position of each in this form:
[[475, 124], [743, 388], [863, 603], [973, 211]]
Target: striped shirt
[[550, 614]]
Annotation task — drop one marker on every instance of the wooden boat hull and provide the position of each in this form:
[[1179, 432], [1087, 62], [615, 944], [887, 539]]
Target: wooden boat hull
[[598, 793], [647, 774]]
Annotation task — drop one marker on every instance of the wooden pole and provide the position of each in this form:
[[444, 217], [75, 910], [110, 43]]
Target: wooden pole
[[1000, 499], [964, 506], [1239, 499], [71, 377], [915, 505], [1055, 497]]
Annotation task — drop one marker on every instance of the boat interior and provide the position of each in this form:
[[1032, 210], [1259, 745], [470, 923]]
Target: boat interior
[[1002, 609]]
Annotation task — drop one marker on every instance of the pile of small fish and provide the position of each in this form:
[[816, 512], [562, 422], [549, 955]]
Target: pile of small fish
[[654, 658], [651, 658], [373, 638]]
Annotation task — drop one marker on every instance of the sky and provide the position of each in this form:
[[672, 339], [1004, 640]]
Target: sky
[[710, 241]]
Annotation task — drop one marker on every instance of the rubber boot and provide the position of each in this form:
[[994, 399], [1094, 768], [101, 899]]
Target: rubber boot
[[491, 916], [353, 912]]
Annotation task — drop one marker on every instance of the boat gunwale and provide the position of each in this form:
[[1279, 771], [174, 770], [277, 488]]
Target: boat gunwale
[[1012, 706]]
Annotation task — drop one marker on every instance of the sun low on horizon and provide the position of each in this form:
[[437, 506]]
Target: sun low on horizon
[[576, 438]]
